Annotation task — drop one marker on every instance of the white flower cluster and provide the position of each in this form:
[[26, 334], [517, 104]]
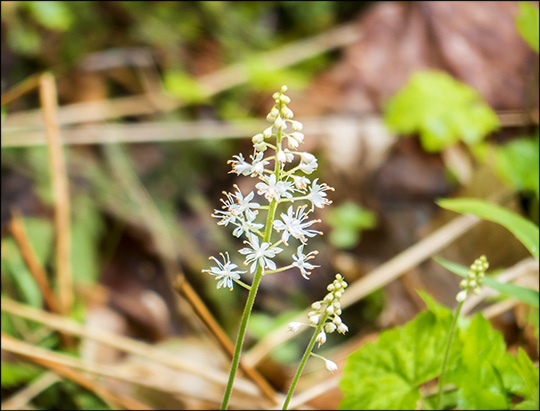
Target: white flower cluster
[[283, 172], [476, 274], [326, 316]]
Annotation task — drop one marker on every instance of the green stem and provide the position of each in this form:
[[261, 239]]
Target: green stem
[[447, 352], [247, 312], [304, 361]]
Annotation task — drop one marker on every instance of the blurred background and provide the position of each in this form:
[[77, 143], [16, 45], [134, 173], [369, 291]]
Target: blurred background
[[155, 97]]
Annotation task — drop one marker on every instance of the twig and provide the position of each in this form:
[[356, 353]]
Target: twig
[[23, 87], [16, 227], [57, 167]]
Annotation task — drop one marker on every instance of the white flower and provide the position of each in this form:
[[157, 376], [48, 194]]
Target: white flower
[[300, 261], [321, 338], [225, 273], [330, 365], [308, 167], [247, 225], [295, 326], [271, 188], [293, 225], [260, 255], [301, 182], [314, 319], [317, 194], [342, 328], [237, 204], [240, 166]]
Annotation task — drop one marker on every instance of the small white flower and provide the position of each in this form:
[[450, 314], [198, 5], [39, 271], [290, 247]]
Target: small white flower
[[342, 328], [271, 188], [247, 225], [225, 273], [321, 338], [260, 255], [314, 319], [300, 261], [293, 225], [307, 157], [308, 168], [317, 194], [268, 132], [330, 365], [279, 123], [295, 326], [301, 182]]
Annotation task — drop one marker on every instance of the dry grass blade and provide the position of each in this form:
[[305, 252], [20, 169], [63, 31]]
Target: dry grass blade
[[16, 227], [131, 374], [57, 166], [211, 84], [125, 344]]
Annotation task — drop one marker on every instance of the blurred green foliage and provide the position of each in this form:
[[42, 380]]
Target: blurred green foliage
[[347, 221], [517, 164], [528, 23], [441, 110]]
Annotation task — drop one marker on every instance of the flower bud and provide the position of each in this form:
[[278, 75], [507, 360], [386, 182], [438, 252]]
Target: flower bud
[[342, 328], [461, 295], [330, 328], [321, 338], [268, 132], [330, 365], [294, 326], [316, 305], [296, 125]]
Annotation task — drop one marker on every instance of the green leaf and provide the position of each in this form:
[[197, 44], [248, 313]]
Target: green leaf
[[517, 164], [527, 22], [387, 373], [441, 109], [526, 295], [14, 374], [479, 380], [183, 86], [529, 373], [524, 230], [348, 220], [85, 233], [54, 15]]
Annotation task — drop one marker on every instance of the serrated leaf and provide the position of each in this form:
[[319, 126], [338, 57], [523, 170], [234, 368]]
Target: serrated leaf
[[523, 230], [479, 380], [387, 373], [527, 23], [441, 109], [529, 373], [526, 295]]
